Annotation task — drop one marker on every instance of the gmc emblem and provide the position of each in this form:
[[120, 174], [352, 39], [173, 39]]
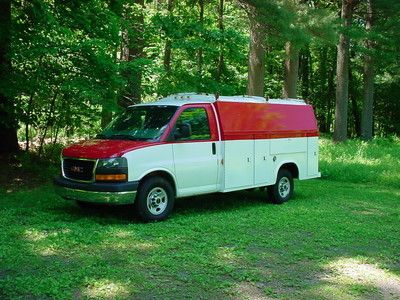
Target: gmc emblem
[[77, 169]]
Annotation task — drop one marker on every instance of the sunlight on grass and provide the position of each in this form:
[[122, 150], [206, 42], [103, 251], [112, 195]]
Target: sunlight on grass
[[354, 272], [35, 235], [354, 155], [145, 246], [248, 291], [106, 289], [226, 254], [48, 251], [121, 233], [357, 161]]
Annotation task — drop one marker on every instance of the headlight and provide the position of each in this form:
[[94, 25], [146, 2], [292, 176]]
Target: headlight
[[112, 169], [112, 163]]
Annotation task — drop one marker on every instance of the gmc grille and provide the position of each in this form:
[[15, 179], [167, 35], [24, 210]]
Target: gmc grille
[[77, 169]]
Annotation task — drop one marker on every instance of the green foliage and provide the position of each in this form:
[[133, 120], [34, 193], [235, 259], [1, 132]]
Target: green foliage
[[64, 63], [339, 235], [71, 63], [355, 161]]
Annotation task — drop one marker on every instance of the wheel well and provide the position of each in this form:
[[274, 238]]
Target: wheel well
[[162, 174], [292, 168]]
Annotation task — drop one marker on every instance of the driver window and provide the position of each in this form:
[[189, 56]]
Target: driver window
[[192, 124]]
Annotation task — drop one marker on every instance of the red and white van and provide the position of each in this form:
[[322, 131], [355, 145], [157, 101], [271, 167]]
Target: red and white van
[[191, 144]]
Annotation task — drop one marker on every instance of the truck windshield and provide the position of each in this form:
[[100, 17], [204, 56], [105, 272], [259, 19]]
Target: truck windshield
[[139, 123]]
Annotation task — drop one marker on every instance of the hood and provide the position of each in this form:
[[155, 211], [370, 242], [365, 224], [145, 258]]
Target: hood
[[97, 148]]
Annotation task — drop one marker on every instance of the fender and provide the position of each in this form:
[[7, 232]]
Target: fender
[[164, 170], [284, 163]]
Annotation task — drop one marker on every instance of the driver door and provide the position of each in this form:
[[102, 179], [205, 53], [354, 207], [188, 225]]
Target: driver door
[[195, 151]]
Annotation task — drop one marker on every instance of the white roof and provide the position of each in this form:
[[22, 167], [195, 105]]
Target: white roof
[[187, 98]]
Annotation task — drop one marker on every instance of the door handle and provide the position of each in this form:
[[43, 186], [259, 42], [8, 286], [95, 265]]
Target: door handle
[[214, 148]]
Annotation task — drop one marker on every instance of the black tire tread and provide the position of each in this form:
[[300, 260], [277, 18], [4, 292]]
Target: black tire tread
[[272, 190], [141, 199]]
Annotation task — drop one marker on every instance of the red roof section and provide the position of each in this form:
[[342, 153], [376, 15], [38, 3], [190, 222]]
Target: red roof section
[[265, 120]]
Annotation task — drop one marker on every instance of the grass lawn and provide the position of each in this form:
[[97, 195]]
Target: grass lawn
[[339, 238]]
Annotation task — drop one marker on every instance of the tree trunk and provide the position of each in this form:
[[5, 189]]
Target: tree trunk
[[132, 49], [255, 84], [28, 121], [321, 89], [200, 51], [354, 105], [136, 51], [330, 94], [369, 76], [342, 75], [106, 117], [168, 42], [8, 122], [291, 71], [49, 120], [220, 66]]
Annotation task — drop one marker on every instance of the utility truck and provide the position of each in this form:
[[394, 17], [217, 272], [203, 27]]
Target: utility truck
[[191, 144]]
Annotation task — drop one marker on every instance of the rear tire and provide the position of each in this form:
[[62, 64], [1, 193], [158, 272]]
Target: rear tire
[[155, 199], [282, 190]]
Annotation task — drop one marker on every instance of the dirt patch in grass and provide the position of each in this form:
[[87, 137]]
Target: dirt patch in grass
[[27, 172]]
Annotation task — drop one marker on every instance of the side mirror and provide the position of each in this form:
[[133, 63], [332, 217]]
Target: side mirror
[[182, 131]]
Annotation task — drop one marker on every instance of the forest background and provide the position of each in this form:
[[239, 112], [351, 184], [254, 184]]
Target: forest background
[[68, 66]]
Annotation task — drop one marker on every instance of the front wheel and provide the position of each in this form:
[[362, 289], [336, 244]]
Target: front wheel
[[282, 190], [155, 199]]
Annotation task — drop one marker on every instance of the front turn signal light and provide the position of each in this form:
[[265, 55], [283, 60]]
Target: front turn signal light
[[111, 177]]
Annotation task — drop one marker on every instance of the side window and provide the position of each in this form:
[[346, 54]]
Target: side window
[[192, 124]]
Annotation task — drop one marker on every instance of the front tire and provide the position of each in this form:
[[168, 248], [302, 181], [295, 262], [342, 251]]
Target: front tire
[[155, 199], [86, 205], [282, 190]]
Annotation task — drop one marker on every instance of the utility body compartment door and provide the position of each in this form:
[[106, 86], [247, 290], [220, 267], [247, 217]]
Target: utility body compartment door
[[264, 164], [239, 164], [312, 156]]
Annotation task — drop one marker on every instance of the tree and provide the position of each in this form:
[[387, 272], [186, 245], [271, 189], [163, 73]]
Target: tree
[[168, 42], [220, 65], [342, 73], [256, 63], [8, 123], [369, 76], [133, 52], [291, 70]]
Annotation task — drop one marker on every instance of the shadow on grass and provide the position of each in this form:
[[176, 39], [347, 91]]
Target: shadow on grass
[[196, 205], [215, 246]]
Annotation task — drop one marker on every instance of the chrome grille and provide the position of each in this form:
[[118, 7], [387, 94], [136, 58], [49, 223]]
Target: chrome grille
[[78, 169]]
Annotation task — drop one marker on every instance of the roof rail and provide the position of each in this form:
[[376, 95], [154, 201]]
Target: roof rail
[[191, 97], [197, 97], [289, 101], [212, 98], [244, 98]]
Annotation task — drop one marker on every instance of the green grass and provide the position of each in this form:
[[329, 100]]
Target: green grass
[[339, 238]]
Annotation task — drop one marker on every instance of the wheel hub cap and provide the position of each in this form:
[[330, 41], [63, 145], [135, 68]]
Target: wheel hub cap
[[157, 201], [284, 187]]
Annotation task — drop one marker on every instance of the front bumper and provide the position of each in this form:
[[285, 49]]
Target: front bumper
[[106, 193]]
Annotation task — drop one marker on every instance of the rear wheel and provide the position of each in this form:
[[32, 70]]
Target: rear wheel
[[282, 190], [155, 199]]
